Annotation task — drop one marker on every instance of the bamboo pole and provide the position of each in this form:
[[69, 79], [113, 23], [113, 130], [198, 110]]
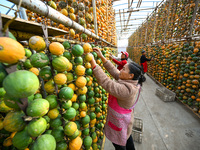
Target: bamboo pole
[[39, 7]]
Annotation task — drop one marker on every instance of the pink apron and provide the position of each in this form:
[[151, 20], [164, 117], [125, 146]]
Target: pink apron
[[117, 121]]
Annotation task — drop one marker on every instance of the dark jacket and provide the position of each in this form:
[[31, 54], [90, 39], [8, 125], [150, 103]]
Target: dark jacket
[[143, 59]]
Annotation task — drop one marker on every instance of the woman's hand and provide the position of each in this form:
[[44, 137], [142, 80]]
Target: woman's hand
[[100, 55], [98, 51], [93, 62], [111, 56]]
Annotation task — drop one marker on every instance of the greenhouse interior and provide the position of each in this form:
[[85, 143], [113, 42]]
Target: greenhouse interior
[[99, 75]]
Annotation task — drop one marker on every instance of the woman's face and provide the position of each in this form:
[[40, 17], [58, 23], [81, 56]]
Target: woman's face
[[124, 73], [123, 56]]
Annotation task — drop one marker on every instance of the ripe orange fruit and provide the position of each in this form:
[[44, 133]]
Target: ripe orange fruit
[[87, 65], [88, 57], [53, 113], [35, 71], [74, 98], [81, 82], [82, 114], [37, 43], [72, 86], [70, 67], [75, 144], [72, 32], [11, 51], [87, 48], [82, 90], [60, 79], [64, 12], [56, 48], [80, 70]]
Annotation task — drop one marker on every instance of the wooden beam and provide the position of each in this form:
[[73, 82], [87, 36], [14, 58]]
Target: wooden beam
[[30, 26]]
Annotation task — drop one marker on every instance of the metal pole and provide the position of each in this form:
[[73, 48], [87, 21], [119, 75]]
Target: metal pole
[[124, 17], [95, 16], [193, 17], [120, 19], [107, 15], [146, 30], [154, 26], [167, 22], [11, 8], [136, 10], [130, 25], [23, 13], [128, 19], [39, 7], [132, 19]]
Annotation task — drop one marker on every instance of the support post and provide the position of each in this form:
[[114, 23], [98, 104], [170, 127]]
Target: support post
[[23, 13], [124, 17], [120, 20], [167, 22], [154, 24], [193, 17], [95, 16], [146, 29]]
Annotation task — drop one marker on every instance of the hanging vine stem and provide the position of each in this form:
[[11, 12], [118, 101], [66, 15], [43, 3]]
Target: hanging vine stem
[[10, 21]]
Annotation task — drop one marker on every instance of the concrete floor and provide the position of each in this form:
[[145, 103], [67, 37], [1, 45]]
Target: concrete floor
[[166, 125]]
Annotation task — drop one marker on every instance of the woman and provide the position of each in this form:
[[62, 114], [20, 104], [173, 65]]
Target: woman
[[121, 101], [123, 61]]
